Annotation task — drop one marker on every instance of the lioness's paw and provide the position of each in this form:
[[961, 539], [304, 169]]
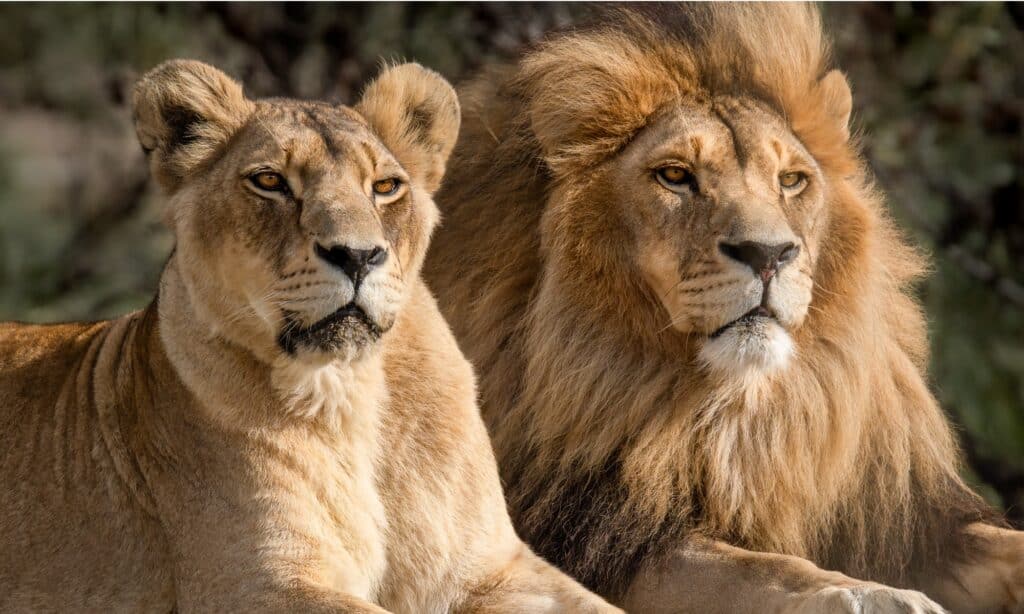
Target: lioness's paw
[[866, 598]]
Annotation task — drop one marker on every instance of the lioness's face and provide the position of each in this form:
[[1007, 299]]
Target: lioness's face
[[300, 230], [725, 206], [306, 228]]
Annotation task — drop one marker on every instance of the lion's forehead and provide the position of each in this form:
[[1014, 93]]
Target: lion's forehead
[[739, 145], [319, 116], [319, 140]]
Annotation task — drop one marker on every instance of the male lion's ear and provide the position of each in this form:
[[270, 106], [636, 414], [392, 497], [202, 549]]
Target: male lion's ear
[[184, 111], [415, 113], [835, 92]]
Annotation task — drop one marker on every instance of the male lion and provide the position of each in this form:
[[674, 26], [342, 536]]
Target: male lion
[[290, 425], [700, 360]]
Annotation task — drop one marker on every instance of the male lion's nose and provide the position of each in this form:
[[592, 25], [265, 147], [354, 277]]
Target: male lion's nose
[[356, 263], [764, 259]]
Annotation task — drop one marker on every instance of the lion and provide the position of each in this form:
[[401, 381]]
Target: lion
[[700, 359], [289, 426]]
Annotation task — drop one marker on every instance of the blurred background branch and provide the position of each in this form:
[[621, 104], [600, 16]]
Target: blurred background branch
[[939, 101]]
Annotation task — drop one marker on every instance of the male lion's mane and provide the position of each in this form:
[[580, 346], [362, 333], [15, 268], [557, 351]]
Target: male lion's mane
[[613, 444]]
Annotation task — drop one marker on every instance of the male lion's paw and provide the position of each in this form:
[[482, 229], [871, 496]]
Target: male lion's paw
[[994, 580], [867, 598], [584, 603], [1009, 564]]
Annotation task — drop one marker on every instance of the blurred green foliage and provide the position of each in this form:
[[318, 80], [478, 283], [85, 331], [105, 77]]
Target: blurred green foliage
[[939, 94], [939, 102]]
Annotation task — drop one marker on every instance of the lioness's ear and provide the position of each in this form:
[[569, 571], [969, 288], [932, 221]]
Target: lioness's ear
[[415, 112], [835, 92], [184, 111]]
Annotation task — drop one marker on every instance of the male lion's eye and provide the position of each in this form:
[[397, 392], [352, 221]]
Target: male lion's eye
[[269, 181], [675, 177], [386, 187], [792, 180]]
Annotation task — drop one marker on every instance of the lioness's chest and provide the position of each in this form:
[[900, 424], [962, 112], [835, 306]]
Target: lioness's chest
[[346, 505], [389, 541], [375, 497], [326, 515]]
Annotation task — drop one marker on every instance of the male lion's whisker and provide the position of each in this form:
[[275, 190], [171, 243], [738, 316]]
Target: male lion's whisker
[[674, 286]]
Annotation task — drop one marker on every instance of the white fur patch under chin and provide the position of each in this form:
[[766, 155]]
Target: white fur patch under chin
[[747, 349], [335, 389]]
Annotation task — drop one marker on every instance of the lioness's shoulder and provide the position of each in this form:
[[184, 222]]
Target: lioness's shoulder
[[44, 347], [36, 360]]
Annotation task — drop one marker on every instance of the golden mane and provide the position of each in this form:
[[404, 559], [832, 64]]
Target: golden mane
[[612, 443]]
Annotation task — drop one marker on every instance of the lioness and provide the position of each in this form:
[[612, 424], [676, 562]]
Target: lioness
[[700, 360], [289, 426]]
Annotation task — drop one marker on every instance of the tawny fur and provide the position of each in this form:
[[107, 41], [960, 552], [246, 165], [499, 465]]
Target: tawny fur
[[201, 454], [614, 439]]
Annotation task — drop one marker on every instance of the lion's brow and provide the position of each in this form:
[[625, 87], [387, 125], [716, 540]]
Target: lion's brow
[[741, 154], [274, 136], [324, 130]]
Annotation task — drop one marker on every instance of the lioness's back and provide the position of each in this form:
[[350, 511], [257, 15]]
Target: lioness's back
[[60, 471], [22, 343], [37, 364]]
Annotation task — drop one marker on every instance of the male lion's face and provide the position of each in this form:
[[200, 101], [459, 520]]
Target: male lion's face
[[299, 231], [725, 206]]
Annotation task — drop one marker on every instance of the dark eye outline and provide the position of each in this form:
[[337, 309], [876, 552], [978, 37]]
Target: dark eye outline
[[798, 186], [394, 190], [281, 187], [688, 181]]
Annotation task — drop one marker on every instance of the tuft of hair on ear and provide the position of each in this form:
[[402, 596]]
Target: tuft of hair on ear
[[415, 113], [184, 111]]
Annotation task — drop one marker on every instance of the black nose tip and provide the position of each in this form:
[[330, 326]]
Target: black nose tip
[[762, 258], [356, 263]]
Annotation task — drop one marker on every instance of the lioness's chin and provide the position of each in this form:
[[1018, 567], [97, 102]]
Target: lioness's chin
[[756, 344], [346, 334]]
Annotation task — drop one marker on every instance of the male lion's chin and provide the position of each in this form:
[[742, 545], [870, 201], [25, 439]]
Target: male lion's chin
[[345, 335], [750, 346]]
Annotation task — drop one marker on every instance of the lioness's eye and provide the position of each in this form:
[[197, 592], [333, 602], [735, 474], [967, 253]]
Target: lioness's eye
[[269, 181], [386, 187], [675, 177], [792, 180]]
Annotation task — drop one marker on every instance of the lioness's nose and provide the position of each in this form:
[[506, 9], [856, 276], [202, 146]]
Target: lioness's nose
[[356, 263], [763, 258]]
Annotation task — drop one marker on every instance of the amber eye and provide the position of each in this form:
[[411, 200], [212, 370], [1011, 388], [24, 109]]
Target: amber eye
[[675, 177], [386, 187], [792, 180], [269, 181]]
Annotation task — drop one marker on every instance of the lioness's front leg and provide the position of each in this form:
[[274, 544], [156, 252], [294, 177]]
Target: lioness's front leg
[[312, 600], [708, 576], [992, 581], [233, 577], [527, 584]]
